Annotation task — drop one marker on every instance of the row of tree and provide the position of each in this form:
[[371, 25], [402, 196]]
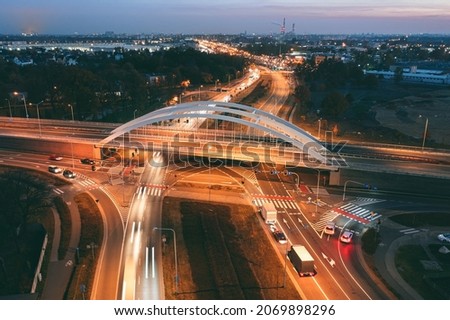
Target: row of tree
[[329, 76], [105, 83]]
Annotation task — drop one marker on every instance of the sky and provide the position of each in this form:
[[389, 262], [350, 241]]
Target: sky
[[224, 16]]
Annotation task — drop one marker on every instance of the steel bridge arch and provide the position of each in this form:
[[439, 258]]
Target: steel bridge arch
[[228, 111]]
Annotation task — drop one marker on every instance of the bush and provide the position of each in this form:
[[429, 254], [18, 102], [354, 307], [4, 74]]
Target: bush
[[370, 240]]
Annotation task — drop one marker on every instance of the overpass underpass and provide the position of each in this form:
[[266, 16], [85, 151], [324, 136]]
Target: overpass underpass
[[192, 129]]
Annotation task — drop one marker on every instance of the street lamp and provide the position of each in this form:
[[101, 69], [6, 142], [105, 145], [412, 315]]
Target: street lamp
[[175, 253], [71, 110], [317, 189], [181, 95], [92, 246], [215, 87], [199, 92], [318, 133], [9, 105], [345, 187], [134, 113], [39, 118], [24, 101], [424, 131], [71, 140]]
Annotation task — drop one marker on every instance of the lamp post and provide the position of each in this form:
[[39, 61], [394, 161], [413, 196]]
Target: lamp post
[[424, 131], [39, 118], [71, 142], [317, 189], [134, 113], [215, 86], [181, 95], [345, 187], [71, 111], [9, 106], [92, 246], [24, 101], [175, 253], [199, 92], [297, 178], [318, 133]]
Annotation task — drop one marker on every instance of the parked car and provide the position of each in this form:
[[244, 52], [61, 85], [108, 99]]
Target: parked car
[[55, 157], [87, 161], [444, 237], [69, 174], [330, 228], [347, 236], [280, 237], [54, 169]]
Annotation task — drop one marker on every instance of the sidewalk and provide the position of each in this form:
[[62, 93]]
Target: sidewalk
[[59, 272]]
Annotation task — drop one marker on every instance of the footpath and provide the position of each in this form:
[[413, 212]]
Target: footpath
[[59, 271]]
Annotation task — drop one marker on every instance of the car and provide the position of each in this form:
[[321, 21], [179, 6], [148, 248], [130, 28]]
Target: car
[[330, 228], [280, 237], [347, 236], [444, 237], [87, 161], [69, 174], [54, 169], [55, 157], [273, 228]]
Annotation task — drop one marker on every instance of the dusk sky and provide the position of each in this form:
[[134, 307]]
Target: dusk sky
[[224, 16]]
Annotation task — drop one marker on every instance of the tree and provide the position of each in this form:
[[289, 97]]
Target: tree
[[22, 195], [334, 104], [398, 74], [303, 94]]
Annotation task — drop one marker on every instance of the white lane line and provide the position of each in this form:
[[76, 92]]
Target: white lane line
[[132, 232], [146, 262], [124, 290], [153, 262]]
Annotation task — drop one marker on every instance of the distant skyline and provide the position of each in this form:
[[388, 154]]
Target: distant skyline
[[228, 17]]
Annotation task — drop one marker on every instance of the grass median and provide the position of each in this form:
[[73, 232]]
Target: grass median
[[223, 253]]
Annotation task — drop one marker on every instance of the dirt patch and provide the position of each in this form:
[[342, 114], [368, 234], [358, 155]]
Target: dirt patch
[[408, 115], [223, 253]]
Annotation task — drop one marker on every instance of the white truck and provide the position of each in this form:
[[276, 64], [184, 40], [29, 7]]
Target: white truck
[[302, 260], [269, 213]]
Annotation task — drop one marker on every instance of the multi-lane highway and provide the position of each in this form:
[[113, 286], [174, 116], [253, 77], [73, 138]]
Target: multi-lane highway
[[142, 275], [337, 277], [138, 268]]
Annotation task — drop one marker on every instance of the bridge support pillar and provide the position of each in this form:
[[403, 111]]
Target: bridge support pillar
[[335, 178]]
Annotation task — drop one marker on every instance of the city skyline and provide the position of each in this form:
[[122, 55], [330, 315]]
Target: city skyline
[[228, 17]]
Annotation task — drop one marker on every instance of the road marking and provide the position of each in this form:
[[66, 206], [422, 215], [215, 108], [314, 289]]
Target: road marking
[[124, 290], [146, 262], [132, 231], [153, 262], [410, 230], [58, 191]]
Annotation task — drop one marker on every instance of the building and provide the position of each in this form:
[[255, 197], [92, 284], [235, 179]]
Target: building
[[412, 74]]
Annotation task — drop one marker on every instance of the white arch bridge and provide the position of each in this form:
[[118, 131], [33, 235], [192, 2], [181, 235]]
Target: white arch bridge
[[251, 135]]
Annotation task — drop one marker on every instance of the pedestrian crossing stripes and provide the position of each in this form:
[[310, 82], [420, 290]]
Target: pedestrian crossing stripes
[[88, 183], [58, 191], [362, 201], [410, 231], [356, 213], [287, 203], [326, 217], [273, 196], [150, 190]]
